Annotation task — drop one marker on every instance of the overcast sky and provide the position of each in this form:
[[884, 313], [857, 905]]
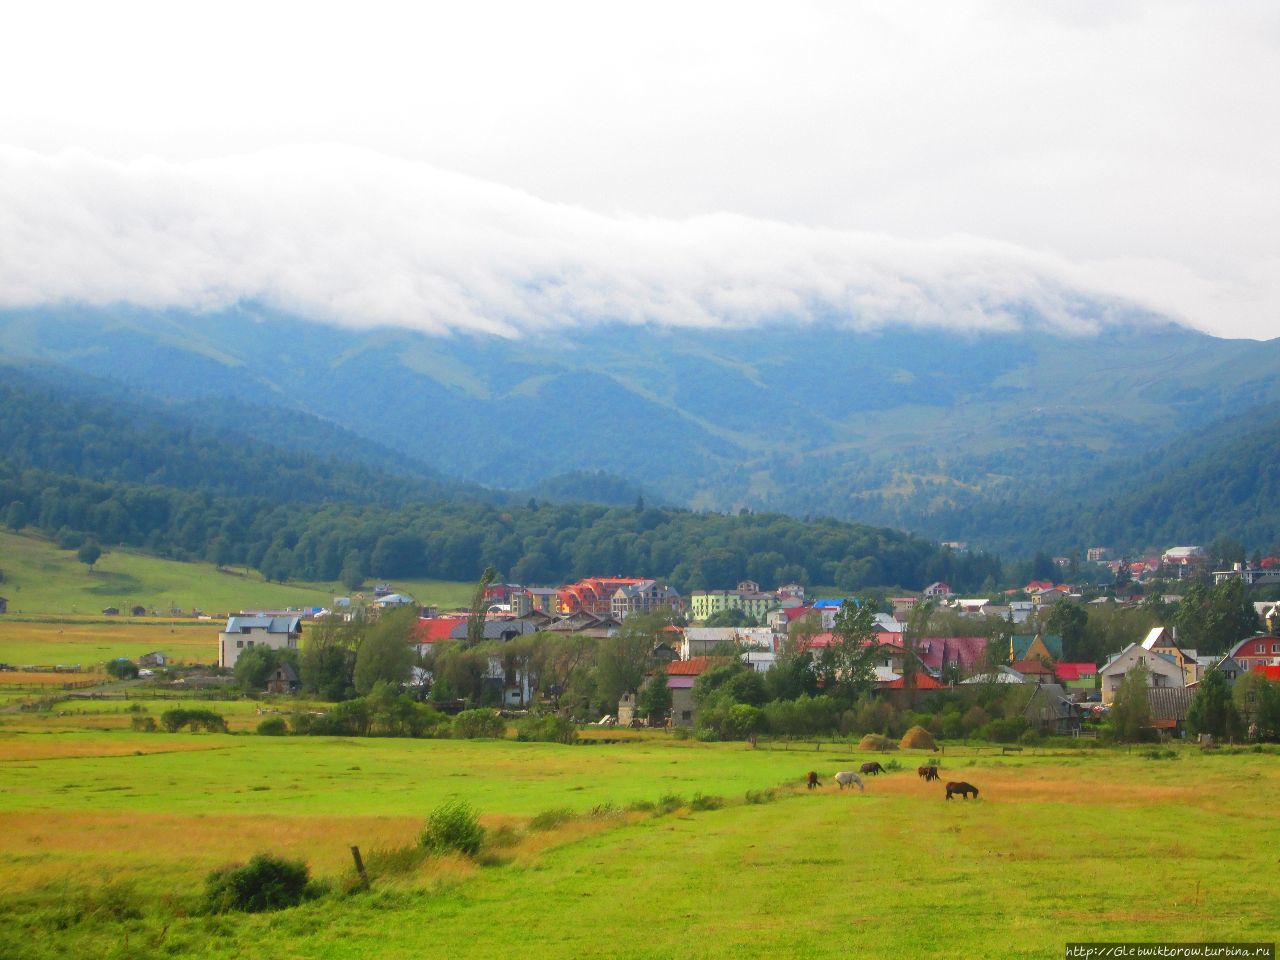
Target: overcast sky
[[509, 166]]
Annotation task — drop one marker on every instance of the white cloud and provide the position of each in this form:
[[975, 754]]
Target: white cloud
[[361, 239]]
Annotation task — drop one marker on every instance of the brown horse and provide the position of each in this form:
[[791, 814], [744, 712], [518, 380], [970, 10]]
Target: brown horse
[[928, 772], [871, 769], [962, 788], [812, 780]]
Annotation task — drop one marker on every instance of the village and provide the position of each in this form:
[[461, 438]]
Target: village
[[916, 647]]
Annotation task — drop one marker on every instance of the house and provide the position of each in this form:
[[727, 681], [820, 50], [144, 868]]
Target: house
[[1184, 557], [681, 677], [1228, 667], [284, 679], [1051, 711], [960, 654], [153, 659], [243, 633], [592, 594], [1259, 650], [645, 596], [1035, 646], [1160, 640], [587, 624], [973, 606], [937, 591], [1169, 707], [1076, 676], [701, 641], [747, 597], [896, 692], [390, 600], [1163, 670], [1036, 671], [1002, 674]]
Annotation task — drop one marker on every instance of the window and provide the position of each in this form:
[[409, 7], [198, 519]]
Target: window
[[686, 715], [239, 643], [1259, 648], [1275, 648]]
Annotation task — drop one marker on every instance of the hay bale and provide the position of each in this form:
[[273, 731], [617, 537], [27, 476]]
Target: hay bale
[[876, 741], [918, 738]]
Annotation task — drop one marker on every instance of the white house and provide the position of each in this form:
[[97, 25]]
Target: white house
[[244, 633], [1164, 670]]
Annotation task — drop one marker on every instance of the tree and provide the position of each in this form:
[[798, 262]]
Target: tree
[[328, 658], [16, 516], [89, 553], [352, 575], [1131, 709], [122, 669], [254, 666], [622, 659], [1212, 710], [846, 664], [1258, 701], [475, 622], [654, 701], [731, 617], [556, 657], [1069, 620], [386, 653]]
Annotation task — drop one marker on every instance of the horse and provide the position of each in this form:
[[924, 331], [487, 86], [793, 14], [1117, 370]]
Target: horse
[[928, 772], [812, 780], [847, 778], [962, 788], [871, 769]]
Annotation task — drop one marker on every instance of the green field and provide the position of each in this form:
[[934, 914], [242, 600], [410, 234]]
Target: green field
[[42, 580], [1087, 844]]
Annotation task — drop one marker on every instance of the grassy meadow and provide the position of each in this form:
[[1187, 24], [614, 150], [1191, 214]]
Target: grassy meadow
[[107, 835], [42, 580]]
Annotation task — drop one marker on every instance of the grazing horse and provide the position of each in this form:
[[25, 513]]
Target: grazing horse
[[812, 780], [871, 769], [847, 778], [962, 788], [928, 772]]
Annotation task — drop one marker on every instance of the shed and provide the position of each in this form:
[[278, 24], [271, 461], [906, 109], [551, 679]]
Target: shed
[[284, 679]]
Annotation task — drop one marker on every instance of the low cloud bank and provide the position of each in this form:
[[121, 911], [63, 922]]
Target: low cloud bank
[[362, 239]]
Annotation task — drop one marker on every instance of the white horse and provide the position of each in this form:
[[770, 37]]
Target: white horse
[[847, 778]]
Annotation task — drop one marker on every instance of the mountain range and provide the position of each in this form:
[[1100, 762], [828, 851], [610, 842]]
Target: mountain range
[[1017, 440]]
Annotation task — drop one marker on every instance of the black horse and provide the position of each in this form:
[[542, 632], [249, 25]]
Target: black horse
[[962, 788], [812, 780], [872, 768]]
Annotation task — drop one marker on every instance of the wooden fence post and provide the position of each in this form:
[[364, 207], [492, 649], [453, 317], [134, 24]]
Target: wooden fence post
[[364, 877]]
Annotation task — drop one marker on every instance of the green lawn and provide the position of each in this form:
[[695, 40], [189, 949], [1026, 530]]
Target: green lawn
[[1089, 845], [42, 580]]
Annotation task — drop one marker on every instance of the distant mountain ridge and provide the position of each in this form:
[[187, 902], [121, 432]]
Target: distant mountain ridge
[[906, 427]]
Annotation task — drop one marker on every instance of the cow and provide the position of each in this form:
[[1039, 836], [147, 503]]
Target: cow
[[847, 778], [928, 772], [871, 769], [812, 780], [962, 788]]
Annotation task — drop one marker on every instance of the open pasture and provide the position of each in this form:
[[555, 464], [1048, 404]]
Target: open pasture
[[91, 643], [1089, 844]]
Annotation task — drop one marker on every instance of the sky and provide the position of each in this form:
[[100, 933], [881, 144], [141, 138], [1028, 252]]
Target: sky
[[509, 167]]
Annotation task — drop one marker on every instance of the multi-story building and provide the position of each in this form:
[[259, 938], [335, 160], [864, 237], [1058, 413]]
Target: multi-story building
[[647, 596], [245, 633], [747, 597], [593, 594]]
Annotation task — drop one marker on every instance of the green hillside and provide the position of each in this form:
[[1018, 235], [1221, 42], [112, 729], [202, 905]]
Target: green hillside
[[41, 580]]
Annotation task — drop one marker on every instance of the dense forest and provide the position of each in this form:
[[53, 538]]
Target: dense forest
[[121, 474]]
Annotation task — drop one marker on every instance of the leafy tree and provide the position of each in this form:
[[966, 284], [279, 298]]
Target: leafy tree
[[328, 658], [352, 575], [89, 553], [623, 659], [1131, 709], [1257, 700], [731, 617], [122, 669], [1212, 710], [1070, 620], [255, 666], [846, 665], [654, 700], [556, 658], [475, 622], [385, 652], [16, 516]]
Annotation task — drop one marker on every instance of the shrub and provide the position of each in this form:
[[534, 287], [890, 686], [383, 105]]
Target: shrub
[[546, 728], [272, 727], [876, 741], [175, 720], [1157, 754], [478, 724], [761, 796], [264, 883], [453, 827], [682, 733], [1030, 737], [670, 802], [641, 806], [1005, 730], [550, 819], [501, 837], [143, 724], [918, 738], [703, 802]]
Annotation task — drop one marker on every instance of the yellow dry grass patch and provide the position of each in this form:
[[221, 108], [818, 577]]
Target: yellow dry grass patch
[[1019, 785], [47, 643], [21, 678]]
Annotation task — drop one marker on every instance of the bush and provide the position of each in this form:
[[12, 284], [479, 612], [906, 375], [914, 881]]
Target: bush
[[546, 728], [550, 819], [1030, 737], [478, 725], [703, 802], [682, 733], [918, 738], [264, 883], [1157, 754], [761, 796], [272, 727], [175, 720], [876, 741], [453, 827], [143, 724], [1005, 730], [670, 802]]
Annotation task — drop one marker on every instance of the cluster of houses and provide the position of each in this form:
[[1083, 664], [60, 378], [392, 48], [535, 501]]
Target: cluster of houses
[[596, 607]]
